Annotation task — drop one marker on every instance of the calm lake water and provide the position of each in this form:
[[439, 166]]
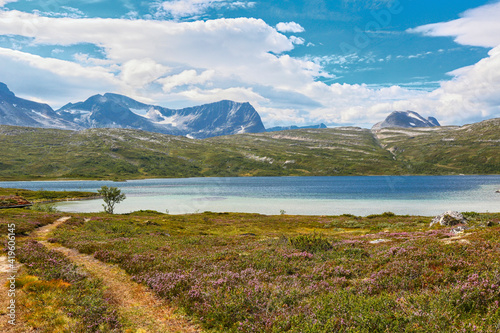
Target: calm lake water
[[415, 195]]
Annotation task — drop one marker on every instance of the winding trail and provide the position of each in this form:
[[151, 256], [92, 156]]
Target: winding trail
[[141, 310], [5, 327]]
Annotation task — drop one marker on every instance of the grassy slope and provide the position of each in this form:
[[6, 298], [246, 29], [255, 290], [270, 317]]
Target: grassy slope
[[277, 274], [471, 149], [29, 153], [42, 195]]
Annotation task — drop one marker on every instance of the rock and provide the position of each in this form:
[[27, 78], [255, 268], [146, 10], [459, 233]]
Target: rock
[[381, 240], [497, 191], [449, 218], [459, 229]]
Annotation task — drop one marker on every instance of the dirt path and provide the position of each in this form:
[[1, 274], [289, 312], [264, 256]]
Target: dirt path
[[139, 307], [5, 327], [5, 273]]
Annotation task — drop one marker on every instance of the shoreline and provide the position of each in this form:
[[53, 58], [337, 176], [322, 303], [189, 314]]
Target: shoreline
[[242, 176]]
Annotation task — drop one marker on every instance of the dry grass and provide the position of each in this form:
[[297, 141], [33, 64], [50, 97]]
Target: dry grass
[[140, 310], [5, 327]]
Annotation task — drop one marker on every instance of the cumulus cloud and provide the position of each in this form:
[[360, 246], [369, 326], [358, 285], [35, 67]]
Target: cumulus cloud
[[289, 27], [243, 52], [187, 77], [297, 40], [476, 27], [473, 92], [140, 72], [202, 43], [239, 47]]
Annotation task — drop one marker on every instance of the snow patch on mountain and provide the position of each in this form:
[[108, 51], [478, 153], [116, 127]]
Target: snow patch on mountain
[[406, 119]]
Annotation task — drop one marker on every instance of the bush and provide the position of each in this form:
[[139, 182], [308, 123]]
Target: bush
[[310, 243], [47, 208], [386, 214]]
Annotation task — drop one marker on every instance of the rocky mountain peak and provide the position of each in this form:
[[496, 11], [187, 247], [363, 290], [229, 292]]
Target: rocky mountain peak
[[5, 91], [406, 119]]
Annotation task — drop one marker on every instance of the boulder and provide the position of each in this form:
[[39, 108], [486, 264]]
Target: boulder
[[459, 229], [449, 218]]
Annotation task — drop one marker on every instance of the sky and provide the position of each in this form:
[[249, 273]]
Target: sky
[[298, 62]]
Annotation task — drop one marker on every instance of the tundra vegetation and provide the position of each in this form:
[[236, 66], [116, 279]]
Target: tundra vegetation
[[131, 154], [234, 272], [43, 195]]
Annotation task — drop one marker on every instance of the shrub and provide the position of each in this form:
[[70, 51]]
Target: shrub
[[47, 208], [385, 214], [310, 243]]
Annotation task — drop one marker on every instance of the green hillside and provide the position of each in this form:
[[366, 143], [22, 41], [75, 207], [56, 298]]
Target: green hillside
[[33, 153], [470, 149]]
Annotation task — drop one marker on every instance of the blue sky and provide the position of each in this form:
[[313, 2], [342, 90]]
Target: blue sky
[[344, 62]]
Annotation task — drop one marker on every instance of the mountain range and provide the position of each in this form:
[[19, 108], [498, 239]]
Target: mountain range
[[118, 111], [199, 122]]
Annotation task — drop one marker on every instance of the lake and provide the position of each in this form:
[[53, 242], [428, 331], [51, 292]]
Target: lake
[[363, 195]]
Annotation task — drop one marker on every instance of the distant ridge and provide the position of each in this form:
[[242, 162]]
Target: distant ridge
[[293, 127], [406, 119]]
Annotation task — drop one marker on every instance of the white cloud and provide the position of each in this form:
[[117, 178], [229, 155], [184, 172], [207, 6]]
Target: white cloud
[[52, 81], [240, 51], [474, 91], [476, 27], [56, 66], [289, 27], [297, 40], [278, 116], [189, 8], [237, 94], [57, 51], [472, 95], [4, 2], [187, 77], [240, 59], [62, 11], [141, 72]]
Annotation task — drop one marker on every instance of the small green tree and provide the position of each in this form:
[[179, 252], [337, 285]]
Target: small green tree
[[111, 196]]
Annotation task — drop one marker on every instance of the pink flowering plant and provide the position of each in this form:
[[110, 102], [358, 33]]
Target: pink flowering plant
[[256, 273]]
